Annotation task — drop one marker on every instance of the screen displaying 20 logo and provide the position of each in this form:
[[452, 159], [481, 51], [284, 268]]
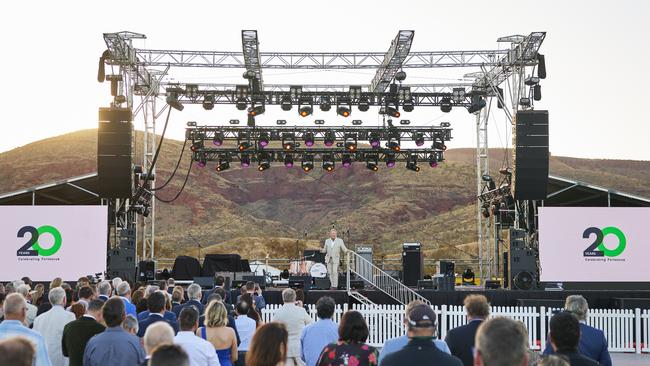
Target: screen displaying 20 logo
[[598, 248], [32, 247]]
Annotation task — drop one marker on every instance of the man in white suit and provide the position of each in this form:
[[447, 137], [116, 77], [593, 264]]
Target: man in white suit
[[51, 323], [295, 318], [333, 249]]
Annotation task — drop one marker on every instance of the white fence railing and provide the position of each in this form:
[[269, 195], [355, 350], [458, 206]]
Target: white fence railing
[[625, 330]]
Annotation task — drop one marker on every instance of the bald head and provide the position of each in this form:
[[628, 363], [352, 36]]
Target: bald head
[[157, 334], [15, 307]]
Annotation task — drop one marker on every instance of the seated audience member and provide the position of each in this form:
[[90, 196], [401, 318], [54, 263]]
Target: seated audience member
[[246, 327], [593, 343], [51, 323], [124, 292], [353, 333], [231, 320], [76, 334], [461, 339], [157, 335], [130, 325], [15, 312], [156, 304], [553, 360], [31, 309], [200, 351], [317, 335], [104, 289], [114, 346], [565, 336], [194, 294], [421, 326], [501, 341], [397, 343], [268, 346], [217, 332], [17, 351], [169, 355], [249, 288], [295, 319]]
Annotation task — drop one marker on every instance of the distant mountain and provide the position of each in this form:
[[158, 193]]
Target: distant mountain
[[282, 210]]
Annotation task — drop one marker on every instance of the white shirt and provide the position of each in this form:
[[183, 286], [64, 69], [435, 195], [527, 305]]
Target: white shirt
[[31, 314], [295, 318], [333, 249], [200, 351], [50, 325], [246, 328]]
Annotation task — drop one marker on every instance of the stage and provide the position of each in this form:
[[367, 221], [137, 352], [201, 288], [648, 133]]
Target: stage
[[597, 299]]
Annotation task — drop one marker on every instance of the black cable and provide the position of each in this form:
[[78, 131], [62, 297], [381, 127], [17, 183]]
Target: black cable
[[187, 176], [178, 163]]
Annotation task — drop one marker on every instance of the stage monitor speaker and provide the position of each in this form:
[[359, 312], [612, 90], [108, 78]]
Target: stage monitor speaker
[[357, 284], [523, 269], [412, 263], [146, 271], [322, 283], [204, 282], [530, 178], [447, 269], [314, 255], [114, 153], [425, 285], [305, 280], [492, 284], [364, 267], [241, 275]]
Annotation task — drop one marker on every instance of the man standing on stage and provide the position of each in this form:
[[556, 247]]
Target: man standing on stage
[[332, 249]]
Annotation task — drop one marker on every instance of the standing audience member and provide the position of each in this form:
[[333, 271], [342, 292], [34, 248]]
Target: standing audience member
[[200, 351], [593, 343], [139, 301], [51, 323], [2, 300], [194, 294], [252, 312], [219, 283], [565, 337], [169, 355], [31, 309], [249, 288], [86, 294], [37, 294], [130, 325], [231, 319], [104, 289], [316, 336], [246, 327], [269, 346], [116, 282], [295, 319], [217, 332], [461, 339], [76, 334], [17, 351], [397, 343], [351, 347], [15, 312], [156, 304], [501, 342], [157, 335], [78, 310], [177, 300], [114, 346], [124, 292], [171, 283], [420, 350]]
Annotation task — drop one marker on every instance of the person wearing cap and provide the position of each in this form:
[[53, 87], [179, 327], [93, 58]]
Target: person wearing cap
[[421, 350]]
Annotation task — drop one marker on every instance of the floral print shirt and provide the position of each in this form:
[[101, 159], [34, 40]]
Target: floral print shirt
[[348, 354]]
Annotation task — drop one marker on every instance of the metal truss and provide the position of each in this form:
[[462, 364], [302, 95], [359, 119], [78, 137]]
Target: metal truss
[[318, 88], [252, 61], [393, 60]]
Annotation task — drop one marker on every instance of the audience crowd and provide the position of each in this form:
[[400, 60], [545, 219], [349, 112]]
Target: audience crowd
[[124, 324]]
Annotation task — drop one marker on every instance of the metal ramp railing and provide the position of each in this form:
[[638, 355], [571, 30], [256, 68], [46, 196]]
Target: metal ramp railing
[[378, 279]]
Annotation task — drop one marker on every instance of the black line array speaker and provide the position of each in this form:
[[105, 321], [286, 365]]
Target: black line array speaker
[[412, 263], [114, 145], [531, 155], [121, 260], [523, 269]]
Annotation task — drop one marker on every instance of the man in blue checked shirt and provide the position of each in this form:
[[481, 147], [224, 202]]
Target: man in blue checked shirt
[[15, 309], [317, 335]]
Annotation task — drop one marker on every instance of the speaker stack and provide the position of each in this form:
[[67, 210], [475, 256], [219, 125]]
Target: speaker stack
[[445, 280], [412, 263], [364, 268], [121, 260], [530, 177], [114, 150], [522, 269], [147, 271]]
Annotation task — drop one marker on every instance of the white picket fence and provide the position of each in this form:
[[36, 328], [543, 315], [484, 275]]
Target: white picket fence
[[625, 330]]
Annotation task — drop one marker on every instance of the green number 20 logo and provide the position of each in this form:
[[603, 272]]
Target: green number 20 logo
[[598, 248], [32, 248]]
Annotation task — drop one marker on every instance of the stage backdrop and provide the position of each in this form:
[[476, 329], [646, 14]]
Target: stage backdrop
[[594, 244], [43, 242]]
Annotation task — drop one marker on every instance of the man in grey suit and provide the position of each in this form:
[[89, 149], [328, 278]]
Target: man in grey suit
[[333, 249]]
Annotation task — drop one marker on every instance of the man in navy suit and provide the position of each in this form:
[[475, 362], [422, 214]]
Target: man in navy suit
[[565, 335], [194, 294], [104, 288], [593, 343], [461, 339], [156, 305]]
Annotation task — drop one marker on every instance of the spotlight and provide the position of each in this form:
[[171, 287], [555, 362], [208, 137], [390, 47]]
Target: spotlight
[[256, 111], [264, 162], [412, 163], [433, 160], [196, 146], [223, 163], [263, 139], [325, 104], [485, 210], [374, 139], [390, 160], [524, 102], [218, 139], [208, 102], [393, 112], [537, 92], [245, 160], [439, 145], [477, 104], [346, 160], [445, 105], [328, 163], [173, 102], [288, 160], [289, 145], [372, 164], [350, 144], [241, 104], [532, 80], [419, 139], [306, 110], [202, 163], [329, 138], [285, 103], [408, 105], [244, 145], [309, 139], [364, 104], [343, 111], [307, 163], [393, 145]]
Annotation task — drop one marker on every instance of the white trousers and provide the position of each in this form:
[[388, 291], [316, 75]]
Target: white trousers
[[333, 272]]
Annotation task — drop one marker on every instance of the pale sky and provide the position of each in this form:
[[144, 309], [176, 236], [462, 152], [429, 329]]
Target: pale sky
[[596, 55]]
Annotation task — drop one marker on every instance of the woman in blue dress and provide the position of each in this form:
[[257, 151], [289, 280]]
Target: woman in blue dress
[[217, 332]]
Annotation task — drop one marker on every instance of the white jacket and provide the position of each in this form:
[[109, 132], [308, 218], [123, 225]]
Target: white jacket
[[333, 250], [295, 318], [50, 325]]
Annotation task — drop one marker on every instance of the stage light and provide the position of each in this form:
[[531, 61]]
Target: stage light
[[408, 105], [241, 104], [532, 80], [445, 105], [390, 160], [308, 137], [524, 102], [218, 139], [173, 102], [374, 139], [393, 145], [288, 160], [351, 144], [264, 162], [202, 163], [346, 160], [288, 141], [325, 104], [223, 163], [307, 163], [364, 104], [196, 146], [419, 139], [244, 145], [485, 210], [372, 164], [263, 139], [208, 102], [286, 103], [256, 111], [439, 145], [400, 75], [328, 162], [329, 138], [393, 112], [478, 103], [306, 110], [343, 111], [245, 160], [433, 160], [537, 92], [412, 163]]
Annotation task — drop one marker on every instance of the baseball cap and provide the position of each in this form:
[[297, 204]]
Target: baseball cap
[[422, 316]]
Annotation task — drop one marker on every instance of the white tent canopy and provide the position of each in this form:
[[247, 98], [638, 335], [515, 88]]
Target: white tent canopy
[[258, 267]]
